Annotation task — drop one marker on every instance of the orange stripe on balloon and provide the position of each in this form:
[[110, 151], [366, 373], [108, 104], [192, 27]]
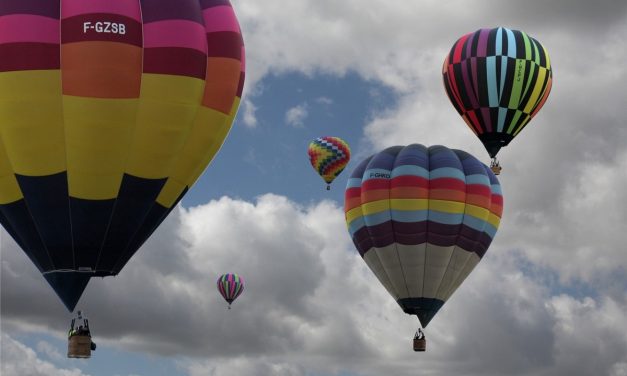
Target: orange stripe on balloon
[[101, 69], [447, 194], [223, 77], [409, 192], [374, 195]]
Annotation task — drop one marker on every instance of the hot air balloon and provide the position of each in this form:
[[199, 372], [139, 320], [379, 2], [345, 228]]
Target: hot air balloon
[[109, 112], [230, 286], [328, 156], [422, 218], [497, 79]]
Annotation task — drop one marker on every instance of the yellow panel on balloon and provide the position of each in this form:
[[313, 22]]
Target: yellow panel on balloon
[[9, 190], [217, 141], [32, 121], [167, 109], [98, 136]]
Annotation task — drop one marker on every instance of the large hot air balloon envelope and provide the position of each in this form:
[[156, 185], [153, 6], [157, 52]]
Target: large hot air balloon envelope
[[230, 286], [422, 218], [329, 156], [109, 112], [497, 79]]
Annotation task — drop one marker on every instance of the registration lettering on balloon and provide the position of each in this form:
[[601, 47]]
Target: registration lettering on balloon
[[104, 27]]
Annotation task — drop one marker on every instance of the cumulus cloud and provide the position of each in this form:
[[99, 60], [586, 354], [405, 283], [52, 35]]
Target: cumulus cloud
[[311, 305], [19, 359], [249, 116], [296, 116]]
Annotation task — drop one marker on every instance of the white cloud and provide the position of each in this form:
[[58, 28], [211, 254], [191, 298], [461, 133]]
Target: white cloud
[[296, 116], [49, 351], [250, 117], [20, 360], [311, 306], [324, 101]]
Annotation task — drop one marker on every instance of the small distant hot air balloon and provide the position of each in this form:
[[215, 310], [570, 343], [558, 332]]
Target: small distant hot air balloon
[[328, 156], [230, 286], [497, 80], [110, 110], [422, 218]]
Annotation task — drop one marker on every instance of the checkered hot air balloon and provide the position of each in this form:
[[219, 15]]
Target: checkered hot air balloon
[[422, 218], [230, 286], [328, 156], [497, 80], [109, 112]]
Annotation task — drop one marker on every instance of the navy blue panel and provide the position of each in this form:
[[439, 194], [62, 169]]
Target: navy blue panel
[[424, 308], [135, 199], [69, 286], [47, 201], [9, 227], [19, 224], [90, 219], [154, 218]]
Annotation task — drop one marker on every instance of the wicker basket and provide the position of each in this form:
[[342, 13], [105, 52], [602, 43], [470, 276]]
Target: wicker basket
[[79, 346], [420, 344]]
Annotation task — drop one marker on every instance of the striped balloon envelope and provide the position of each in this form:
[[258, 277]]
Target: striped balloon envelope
[[497, 80], [109, 111], [329, 156], [230, 286], [422, 218]]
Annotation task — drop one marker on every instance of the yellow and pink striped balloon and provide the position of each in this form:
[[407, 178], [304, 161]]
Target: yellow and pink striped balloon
[[109, 112]]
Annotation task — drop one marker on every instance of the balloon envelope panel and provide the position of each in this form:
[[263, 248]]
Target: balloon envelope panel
[[110, 111], [422, 218]]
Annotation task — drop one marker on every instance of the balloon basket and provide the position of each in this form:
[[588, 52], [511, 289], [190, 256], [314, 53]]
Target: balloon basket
[[79, 346], [495, 167], [420, 344]]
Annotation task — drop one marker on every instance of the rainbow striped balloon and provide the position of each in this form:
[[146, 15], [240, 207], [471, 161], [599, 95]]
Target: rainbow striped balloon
[[422, 218], [109, 111], [230, 286], [328, 156]]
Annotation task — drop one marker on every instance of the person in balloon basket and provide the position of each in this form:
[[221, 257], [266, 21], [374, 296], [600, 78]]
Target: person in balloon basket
[[82, 330], [419, 334]]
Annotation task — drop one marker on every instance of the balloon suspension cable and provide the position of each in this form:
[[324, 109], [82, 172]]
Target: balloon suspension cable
[[495, 166]]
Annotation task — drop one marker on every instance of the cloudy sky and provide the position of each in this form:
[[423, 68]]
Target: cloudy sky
[[549, 298]]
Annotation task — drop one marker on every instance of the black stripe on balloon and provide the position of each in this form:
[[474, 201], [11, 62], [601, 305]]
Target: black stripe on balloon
[[153, 219], [424, 308], [491, 48], [499, 69], [90, 219], [461, 88], [135, 199], [19, 224], [46, 198], [528, 78], [450, 92], [541, 53], [509, 83], [521, 51], [428, 232]]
